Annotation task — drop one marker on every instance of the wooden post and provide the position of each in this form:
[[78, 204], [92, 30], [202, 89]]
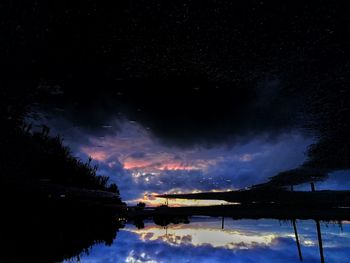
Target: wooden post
[[296, 234], [297, 240], [319, 236], [318, 227]]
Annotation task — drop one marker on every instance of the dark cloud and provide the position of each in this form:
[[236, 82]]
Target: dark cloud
[[137, 155], [193, 73], [185, 109], [165, 169]]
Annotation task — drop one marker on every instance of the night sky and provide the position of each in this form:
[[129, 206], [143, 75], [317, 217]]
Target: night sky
[[187, 95], [141, 164]]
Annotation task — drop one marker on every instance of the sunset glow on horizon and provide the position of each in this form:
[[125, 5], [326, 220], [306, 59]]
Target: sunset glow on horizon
[[143, 167]]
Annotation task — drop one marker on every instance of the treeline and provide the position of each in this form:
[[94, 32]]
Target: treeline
[[35, 156], [55, 205]]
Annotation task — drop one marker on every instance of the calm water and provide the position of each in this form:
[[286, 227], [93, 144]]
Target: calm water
[[203, 240]]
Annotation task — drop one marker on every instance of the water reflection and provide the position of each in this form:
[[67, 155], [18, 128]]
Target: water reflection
[[203, 240], [204, 235]]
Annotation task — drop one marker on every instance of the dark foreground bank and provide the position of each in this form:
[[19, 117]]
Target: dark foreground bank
[[59, 227]]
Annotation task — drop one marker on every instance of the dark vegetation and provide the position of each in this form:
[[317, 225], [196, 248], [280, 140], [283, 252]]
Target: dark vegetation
[[29, 156], [39, 157], [326, 116], [54, 206], [140, 205]]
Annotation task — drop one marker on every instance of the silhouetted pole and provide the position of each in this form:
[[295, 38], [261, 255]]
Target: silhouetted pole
[[319, 236], [296, 233], [319, 240], [297, 239], [222, 222]]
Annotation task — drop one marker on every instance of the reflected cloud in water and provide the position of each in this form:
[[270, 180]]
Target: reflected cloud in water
[[196, 235], [203, 240]]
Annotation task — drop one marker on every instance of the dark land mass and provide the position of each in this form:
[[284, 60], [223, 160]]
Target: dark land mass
[[37, 229], [326, 198], [54, 206], [263, 202], [246, 212], [46, 220]]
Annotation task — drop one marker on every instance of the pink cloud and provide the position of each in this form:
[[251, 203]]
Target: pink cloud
[[100, 156]]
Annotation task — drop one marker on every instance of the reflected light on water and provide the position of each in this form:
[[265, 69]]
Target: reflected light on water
[[203, 240], [190, 235], [178, 202]]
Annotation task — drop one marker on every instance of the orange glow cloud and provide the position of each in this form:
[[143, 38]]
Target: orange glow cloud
[[156, 158], [136, 164], [96, 155], [160, 161], [149, 165]]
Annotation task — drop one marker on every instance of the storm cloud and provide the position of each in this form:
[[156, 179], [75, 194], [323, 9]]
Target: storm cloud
[[248, 71], [208, 75]]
